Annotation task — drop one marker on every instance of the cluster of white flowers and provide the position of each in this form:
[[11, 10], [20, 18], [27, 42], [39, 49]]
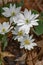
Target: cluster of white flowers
[[24, 20]]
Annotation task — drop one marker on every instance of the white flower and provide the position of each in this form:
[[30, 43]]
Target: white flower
[[27, 20], [11, 11], [18, 34], [27, 42], [4, 28]]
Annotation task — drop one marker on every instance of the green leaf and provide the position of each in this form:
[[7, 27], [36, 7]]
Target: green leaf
[[1, 10], [35, 11], [0, 61], [17, 4], [39, 29], [6, 5], [4, 42], [1, 37], [20, 4], [41, 14]]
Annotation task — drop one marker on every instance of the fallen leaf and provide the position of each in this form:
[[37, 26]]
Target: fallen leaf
[[40, 44], [39, 63], [2, 19], [4, 54], [22, 58]]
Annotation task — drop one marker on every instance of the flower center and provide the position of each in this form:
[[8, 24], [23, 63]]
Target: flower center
[[20, 33], [3, 30], [13, 14], [27, 21], [26, 42]]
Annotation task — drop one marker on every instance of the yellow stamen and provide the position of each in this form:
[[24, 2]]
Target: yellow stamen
[[27, 42], [20, 33], [3, 30], [27, 21], [13, 14]]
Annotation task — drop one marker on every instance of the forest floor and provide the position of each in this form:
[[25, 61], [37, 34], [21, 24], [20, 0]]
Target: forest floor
[[12, 51]]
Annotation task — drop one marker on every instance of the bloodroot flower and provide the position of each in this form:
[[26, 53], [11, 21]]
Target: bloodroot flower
[[27, 42], [27, 20], [5, 27], [11, 12], [18, 34]]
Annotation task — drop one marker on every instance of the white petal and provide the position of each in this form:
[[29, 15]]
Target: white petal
[[30, 18], [18, 10], [33, 44], [26, 12], [36, 16], [28, 47], [21, 22], [21, 46], [10, 5], [6, 25], [35, 20], [2, 33], [32, 40], [0, 25], [31, 36], [5, 8], [13, 32], [21, 16], [20, 38], [29, 14], [27, 30], [30, 25], [6, 14], [16, 38], [11, 20], [35, 23]]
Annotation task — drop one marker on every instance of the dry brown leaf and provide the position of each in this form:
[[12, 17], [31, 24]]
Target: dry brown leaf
[[29, 59], [39, 63], [0, 49], [5, 1], [2, 19], [22, 58], [1, 2], [30, 63], [3, 63], [4, 54], [39, 4], [40, 44]]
